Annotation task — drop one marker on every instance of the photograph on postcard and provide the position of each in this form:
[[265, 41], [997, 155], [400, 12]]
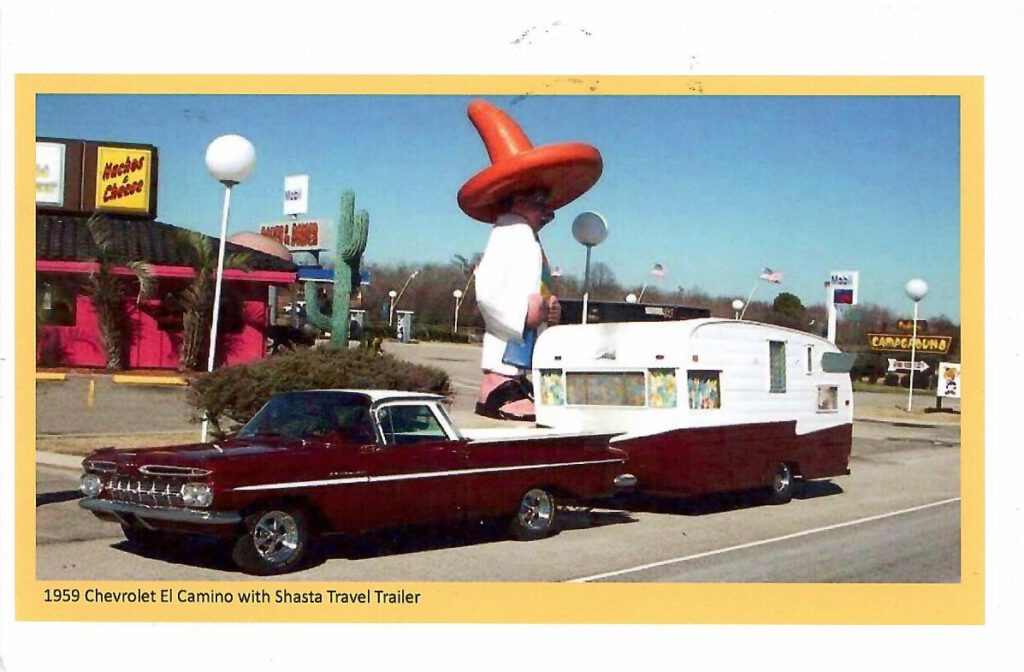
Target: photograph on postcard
[[553, 331]]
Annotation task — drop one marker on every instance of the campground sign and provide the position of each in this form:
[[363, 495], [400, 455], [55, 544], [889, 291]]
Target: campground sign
[[935, 345]]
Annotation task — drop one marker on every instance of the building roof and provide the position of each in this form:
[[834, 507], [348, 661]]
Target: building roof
[[61, 237]]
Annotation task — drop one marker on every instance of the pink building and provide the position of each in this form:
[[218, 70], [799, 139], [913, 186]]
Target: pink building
[[68, 333]]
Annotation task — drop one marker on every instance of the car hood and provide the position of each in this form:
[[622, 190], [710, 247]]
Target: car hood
[[193, 454]]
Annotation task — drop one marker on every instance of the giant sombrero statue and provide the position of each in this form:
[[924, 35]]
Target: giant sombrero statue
[[565, 170], [514, 285]]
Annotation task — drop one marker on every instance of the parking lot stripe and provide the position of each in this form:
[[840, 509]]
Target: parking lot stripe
[[753, 544]]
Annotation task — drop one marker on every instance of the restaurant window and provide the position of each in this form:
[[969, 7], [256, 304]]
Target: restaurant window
[[703, 389], [777, 364], [56, 304], [620, 388]]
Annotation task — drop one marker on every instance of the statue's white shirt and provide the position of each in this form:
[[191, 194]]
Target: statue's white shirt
[[509, 272]]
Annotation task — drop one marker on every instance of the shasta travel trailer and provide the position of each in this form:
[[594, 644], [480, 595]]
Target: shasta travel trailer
[[702, 405]]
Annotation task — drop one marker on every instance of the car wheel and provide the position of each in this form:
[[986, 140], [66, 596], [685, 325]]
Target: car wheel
[[535, 518], [274, 541], [783, 485], [142, 537]]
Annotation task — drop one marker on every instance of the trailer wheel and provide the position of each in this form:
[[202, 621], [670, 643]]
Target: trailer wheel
[[783, 484], [535, 517]]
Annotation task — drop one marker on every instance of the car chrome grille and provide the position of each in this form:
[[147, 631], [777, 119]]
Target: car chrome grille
[[147, 491]]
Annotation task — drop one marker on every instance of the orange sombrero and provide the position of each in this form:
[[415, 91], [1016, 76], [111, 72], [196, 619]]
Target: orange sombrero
[[566, 170]]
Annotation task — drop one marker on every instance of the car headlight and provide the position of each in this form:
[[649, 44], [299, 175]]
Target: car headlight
[[90, 485], [196, 494]]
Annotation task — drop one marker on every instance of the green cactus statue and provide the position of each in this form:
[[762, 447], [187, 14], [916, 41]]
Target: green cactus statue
[[349, 247]]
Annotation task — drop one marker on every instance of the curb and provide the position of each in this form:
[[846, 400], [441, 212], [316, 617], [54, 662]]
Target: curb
[[123, 379]]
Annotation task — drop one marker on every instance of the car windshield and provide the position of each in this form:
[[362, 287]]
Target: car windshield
[[304, 415]]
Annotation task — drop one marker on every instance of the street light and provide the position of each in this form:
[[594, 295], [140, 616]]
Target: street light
[[916, 290], [631, 298], [737, 306], [391, 313], [408, 281], [589, 229], [458, 302], [230, 159]]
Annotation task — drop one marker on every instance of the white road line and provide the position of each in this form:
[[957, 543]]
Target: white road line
[[753, 544]]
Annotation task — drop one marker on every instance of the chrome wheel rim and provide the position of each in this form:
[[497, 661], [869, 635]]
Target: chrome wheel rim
[[536, 510], [782, 478], [276, 537]]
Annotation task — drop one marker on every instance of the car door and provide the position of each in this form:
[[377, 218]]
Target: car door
[[416, 465]]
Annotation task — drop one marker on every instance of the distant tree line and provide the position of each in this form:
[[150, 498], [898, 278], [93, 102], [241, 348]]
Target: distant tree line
[[430, 295]]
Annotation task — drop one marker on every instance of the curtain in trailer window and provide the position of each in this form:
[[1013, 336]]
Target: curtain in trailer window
[[703, 389], [620, 388], [777, 359], [662, 389]]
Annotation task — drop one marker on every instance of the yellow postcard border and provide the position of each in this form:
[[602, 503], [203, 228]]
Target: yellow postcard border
[[961, 603]]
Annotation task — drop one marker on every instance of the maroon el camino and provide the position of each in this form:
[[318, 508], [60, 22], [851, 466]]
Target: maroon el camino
[[343, 461]]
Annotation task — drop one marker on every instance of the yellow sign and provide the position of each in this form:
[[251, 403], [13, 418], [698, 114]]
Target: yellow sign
[[927, 344], [123, 179]]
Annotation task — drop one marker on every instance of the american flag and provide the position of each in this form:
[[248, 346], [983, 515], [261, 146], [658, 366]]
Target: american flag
[[771, 276], [658, 271]]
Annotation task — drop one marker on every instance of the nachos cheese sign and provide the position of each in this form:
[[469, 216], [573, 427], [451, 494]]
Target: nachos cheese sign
[[123, 179]]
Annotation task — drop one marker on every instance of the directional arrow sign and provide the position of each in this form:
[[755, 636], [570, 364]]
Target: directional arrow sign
[[898, 365]]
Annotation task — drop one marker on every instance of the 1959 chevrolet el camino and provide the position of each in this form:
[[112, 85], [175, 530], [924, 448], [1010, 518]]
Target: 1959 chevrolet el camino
[[344, 461]]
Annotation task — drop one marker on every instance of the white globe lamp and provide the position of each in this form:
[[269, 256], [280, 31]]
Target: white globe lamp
[[589, 229], [230, 159], [916, 289]]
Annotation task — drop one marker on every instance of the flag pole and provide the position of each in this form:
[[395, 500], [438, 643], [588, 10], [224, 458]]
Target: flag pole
[[752, 290]]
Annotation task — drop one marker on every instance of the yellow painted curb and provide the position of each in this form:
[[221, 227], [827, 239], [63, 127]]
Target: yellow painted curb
[[43, 375], [149, 380]]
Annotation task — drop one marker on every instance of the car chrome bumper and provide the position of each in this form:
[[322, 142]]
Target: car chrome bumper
[[160, 513], [624, 481]]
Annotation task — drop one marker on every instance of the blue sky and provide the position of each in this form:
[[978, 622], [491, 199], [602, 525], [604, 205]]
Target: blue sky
[[713, 187]]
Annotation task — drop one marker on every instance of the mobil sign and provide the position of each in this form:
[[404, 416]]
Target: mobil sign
[[844, 287]]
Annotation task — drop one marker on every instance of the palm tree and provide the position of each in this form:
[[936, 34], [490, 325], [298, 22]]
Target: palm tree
[[106, 289], [196, 298]]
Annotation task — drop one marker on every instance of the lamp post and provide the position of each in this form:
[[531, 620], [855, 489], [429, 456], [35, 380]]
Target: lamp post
[[589, 229], [916, 290], [230, 159], [398, 297], [391, 313], [458, 302], [737, 306]]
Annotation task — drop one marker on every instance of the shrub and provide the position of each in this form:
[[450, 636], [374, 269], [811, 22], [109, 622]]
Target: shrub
[[235, 393]]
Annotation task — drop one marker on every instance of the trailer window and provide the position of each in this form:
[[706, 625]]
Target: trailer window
[[620, 388], [777, 363], [703, 389], [552, 387], [810, 359], [661, 391], [828, 398]]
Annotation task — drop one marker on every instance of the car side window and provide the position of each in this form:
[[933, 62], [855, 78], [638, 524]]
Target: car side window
[[409, 423]]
